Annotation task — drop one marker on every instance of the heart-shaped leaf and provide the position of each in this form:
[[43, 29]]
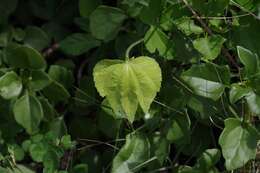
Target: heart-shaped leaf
[[127, 84], [242, 147]]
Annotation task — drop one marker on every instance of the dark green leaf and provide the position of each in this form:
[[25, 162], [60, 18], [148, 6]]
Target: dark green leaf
[[78, 43], [35, 37], [86, 7], [25, 57], [105, 22]]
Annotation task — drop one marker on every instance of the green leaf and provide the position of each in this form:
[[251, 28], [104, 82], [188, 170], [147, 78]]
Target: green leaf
[[151, 13], [209, 47], [37, 151], [205, 80], [48, 109], [179, 131], [249, 60], [86, 7], [39, 80], [208, 159], [187, 26], [66, 142], [210, 7], [81, 168], [22, 169], [62, 75], [135, 151], [35, 37], [78, 43], [127, 84], [10, 85], [246, 4], [28, 112], [135, 7], [161, 147], [246, 34], [237, 92], [55, 92], [238, 151], [17, 151], [253, 101], [25, 57], [105, 22], [156, 39], [50, 161]]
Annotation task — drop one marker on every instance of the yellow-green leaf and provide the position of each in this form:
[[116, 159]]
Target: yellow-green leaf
[[127, 84]]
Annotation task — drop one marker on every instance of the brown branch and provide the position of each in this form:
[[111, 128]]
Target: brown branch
[[47, 52], [209, 31]]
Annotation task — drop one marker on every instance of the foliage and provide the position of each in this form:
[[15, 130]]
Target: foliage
[[129, 86]]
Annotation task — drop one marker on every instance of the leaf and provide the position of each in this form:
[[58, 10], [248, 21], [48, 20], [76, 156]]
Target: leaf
[[10, 85], [28, 112], [25, 57], [62, 75], [208, 159], [237, 92], [179, 131], [210, 7], [246, 34], [17, 151], [135, 7], [37, 151], [238, 151], [249, 60], [246, 4], [209, 47], [39, 80], [22, 169], [205, 80], [161, 148], [151, 13], [187, 26], [135, 151], [155, 39], [86, 7], [48, 110], [105, 22], [55, 92], [127, 84], [253, 101], [81, 168], [78, 43], [35, 37]]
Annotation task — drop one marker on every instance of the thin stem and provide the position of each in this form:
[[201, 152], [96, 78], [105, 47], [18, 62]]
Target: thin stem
[[128, 50], [144, 163]]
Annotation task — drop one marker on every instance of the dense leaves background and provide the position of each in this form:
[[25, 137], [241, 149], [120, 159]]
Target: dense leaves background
[[129, 86]]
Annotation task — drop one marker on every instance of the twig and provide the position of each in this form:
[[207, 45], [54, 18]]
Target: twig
[[47, 52], [81, 68]]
